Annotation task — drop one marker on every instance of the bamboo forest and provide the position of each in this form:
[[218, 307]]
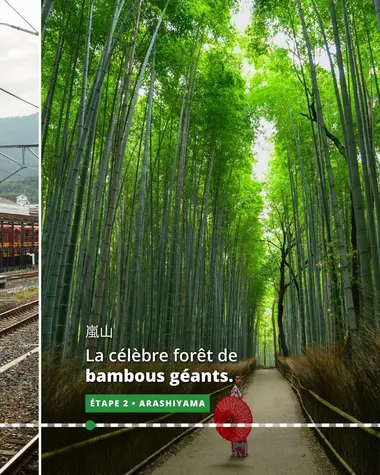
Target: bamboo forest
[[211, 180]]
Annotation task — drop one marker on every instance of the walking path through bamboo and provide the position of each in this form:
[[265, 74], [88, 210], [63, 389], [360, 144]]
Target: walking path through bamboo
[[271, 451]]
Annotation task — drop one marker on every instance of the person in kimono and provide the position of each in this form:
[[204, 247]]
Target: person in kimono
[[239, 449]]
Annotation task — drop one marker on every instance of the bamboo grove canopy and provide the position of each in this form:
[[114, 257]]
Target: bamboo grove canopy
[[153, 221]]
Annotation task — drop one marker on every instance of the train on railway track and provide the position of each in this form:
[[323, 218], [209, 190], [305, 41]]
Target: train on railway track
[[19, 242]]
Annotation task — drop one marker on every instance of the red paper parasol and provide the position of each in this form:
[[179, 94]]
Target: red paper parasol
[[235, 411]]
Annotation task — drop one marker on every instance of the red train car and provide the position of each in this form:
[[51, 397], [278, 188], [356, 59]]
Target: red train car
[[17, 237], [19, 241]]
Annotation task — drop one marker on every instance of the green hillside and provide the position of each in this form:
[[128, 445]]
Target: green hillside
[[28, 186]]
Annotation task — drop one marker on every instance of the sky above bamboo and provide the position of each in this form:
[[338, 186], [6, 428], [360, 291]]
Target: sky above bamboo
[[262, 149], [19, 58]]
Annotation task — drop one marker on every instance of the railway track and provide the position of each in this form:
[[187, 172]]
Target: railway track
[[19, 447], [17, 317], [19, 463], [25, 275]]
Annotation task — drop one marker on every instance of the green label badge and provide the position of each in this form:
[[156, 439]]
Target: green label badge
[[147, 403]]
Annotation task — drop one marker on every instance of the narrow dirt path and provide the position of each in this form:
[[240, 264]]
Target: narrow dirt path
[[276, 451]]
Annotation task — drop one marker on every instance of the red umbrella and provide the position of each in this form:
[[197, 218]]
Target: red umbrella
[[233, 410]]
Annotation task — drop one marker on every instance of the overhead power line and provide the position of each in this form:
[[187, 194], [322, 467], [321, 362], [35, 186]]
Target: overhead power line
[[17, 97], [22, 165], [19, 14], [20, 29]]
